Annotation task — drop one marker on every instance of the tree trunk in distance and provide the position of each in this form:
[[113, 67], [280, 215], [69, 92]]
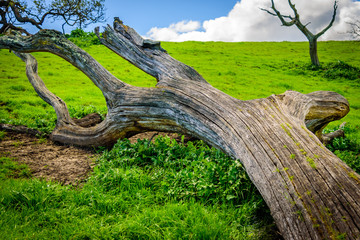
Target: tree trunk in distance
[[313, 52], [311, 193]]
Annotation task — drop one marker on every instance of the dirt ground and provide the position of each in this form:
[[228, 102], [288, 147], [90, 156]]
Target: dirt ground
[[52, 161]]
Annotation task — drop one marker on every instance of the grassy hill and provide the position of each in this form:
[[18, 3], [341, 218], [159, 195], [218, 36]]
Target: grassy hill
[[242, 70], [164, 189]]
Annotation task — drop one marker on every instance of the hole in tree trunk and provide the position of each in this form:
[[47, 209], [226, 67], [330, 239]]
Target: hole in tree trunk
[[85, 101], [121, 68]]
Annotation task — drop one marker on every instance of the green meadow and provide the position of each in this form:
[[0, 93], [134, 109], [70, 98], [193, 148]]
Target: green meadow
[[165, 189], [242, 70]]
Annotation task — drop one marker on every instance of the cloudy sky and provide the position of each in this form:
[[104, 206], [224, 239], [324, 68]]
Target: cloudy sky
[[229, 20]]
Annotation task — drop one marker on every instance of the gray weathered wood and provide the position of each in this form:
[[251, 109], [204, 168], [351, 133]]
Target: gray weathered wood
[[311, 193]]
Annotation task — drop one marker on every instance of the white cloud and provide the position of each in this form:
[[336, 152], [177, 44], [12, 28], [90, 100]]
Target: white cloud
[[174, 30], [185, 26], [246, 22]]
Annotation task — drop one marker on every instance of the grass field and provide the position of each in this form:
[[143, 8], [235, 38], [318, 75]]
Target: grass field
[[162, 189], [243, 70]]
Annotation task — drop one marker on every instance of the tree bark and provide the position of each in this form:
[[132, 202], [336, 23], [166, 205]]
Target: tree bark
[[313, 52], [311, 193]]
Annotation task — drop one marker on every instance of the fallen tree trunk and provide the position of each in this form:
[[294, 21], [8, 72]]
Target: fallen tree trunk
[[311, 193]]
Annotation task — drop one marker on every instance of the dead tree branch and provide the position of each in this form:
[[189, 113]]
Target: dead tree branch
[[355, 29]]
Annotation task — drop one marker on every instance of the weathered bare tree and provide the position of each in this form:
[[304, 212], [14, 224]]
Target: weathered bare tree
[[79, 13], [295, 20], [355, 29], [311, 193]]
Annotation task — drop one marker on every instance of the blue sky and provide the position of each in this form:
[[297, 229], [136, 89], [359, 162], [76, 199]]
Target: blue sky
[[142, 15], [226, 20]]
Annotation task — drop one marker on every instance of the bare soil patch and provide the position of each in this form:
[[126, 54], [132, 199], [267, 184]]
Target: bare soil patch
[[48, 160], [52, 161]]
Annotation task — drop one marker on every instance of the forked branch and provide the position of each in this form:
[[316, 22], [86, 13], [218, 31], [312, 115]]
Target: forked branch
[[295, 20], [355, 29], [331, 22], [280, 16]]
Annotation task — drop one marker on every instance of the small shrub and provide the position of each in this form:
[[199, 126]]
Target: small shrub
[[82, 38], [77, 33], [333, 70], [341, 69], [181, 171]]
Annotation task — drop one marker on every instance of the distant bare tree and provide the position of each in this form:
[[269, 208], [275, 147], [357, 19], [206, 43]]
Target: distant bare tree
[[355, 29], [80, 13], [295, 20]]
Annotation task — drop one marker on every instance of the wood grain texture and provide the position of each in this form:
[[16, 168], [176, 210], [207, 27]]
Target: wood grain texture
[[311, 193]]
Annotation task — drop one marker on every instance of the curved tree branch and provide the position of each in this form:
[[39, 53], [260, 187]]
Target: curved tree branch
[[6, 26], [280, 16], [331, 22], [328, 107], [56, 43], [57, 103], [15, 8]]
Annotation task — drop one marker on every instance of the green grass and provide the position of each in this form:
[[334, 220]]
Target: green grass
[[12, 169], [161, 190], [165, 189]]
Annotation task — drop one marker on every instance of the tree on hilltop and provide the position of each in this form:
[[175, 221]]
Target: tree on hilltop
[[78, 13], [295, 20]]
